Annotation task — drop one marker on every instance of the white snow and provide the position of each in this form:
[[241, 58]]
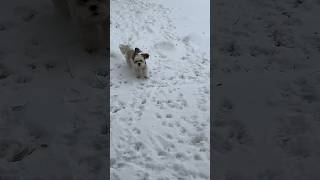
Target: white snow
[[266, 116], [160, 126], [52, 97]]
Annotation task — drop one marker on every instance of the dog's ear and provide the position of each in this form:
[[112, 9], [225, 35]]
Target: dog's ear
[[137, 50], [145, 55]]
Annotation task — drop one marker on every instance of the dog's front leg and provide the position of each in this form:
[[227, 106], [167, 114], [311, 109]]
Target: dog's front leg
[[145, 73], [137, 71]]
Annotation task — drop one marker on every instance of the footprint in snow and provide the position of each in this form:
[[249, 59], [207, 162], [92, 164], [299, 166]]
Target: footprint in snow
[[165, 46]]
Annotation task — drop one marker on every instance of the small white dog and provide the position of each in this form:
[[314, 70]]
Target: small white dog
[[136, 60], [90, 17]]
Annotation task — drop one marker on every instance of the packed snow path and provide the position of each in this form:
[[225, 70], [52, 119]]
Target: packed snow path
[[160, 126]]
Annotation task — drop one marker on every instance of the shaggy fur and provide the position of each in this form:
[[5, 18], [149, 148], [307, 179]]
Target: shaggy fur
[[90, 17], [136, 60]]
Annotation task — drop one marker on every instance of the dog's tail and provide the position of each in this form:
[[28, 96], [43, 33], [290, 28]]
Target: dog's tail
[[124, 48]]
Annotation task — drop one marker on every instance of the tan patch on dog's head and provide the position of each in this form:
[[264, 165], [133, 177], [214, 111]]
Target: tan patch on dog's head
[[145, 55], [138, 51]]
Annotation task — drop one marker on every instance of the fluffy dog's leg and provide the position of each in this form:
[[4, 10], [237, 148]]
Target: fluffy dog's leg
[[138, 73], [145, 73]]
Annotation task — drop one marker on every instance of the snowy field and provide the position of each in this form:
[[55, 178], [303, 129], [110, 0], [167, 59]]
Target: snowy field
[[267, 118], [52, 98], [160, 126]]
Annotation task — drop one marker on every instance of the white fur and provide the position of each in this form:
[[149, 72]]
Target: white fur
[[136, 61]]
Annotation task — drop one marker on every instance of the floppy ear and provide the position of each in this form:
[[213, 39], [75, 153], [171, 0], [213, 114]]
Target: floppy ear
[[145, 55], [137, 50]]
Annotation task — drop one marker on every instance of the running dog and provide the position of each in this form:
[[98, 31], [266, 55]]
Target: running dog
[[136, 60]]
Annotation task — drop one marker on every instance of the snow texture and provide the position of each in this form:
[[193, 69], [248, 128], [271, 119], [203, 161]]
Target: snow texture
[[160, 126], [267, 78], [52, 97]]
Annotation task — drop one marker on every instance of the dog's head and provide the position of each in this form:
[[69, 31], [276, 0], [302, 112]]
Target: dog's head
[[139, 58]]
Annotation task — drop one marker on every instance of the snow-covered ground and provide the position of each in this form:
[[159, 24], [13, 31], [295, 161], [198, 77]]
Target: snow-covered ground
[[267, 120], [160, 126], [52, 97]]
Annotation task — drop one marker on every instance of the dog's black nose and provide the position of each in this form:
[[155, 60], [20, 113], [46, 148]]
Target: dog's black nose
[[139, 64]]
